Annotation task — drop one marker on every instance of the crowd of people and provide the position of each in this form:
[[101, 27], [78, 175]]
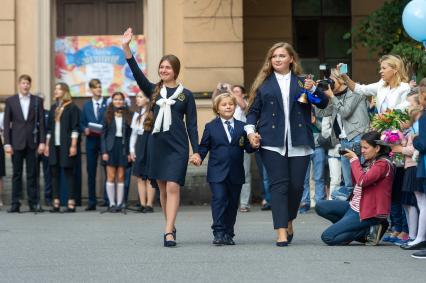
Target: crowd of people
[[291, 123]]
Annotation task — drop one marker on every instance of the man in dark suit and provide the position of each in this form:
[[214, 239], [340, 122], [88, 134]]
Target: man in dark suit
[[93, 112], [24, 138]]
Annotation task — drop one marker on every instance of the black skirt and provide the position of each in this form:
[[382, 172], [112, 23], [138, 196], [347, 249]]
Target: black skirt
[[411, 183], [140, 166], [117, 157]]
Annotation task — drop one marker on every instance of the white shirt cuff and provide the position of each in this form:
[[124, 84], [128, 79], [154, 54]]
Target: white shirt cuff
[[250, 129], [74, 135]]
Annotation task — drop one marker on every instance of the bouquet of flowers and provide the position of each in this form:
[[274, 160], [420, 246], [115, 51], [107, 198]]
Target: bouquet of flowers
[[393, 137], [390, 120]]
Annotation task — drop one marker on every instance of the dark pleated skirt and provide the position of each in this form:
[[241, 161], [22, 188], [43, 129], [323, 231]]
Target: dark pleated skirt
[[118, 154], [140, 166]]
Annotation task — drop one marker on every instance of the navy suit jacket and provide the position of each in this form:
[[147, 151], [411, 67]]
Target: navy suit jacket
[[226, 158], [267, 113], [88, 114]]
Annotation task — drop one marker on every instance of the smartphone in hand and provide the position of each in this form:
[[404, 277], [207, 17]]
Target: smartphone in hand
[[344, 68]]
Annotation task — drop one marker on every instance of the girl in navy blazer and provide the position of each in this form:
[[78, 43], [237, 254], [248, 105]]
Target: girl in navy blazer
[[280, 125], [226, 140], [115, 148]]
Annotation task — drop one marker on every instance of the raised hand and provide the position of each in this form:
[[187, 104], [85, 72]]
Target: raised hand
[[127, 37]]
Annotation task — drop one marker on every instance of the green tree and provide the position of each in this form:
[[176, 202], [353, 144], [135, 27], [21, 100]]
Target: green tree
[[382, 32]]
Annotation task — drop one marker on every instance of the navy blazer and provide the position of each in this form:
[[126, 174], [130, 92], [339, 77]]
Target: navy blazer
[[267, 113], [226, 159], [108, 135], [88, 114], [419, 143]]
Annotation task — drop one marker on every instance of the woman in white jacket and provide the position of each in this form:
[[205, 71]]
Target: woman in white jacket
[[392, 89]]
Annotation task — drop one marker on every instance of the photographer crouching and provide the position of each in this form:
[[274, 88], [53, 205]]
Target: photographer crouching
[[364, 217], [348, 120]]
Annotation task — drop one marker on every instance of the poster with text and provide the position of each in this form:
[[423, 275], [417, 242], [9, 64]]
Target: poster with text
[[78, 59]]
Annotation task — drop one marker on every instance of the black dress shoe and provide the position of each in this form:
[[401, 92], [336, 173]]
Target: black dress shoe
[[419, 246], [218, 241], [148, 209], [14, 209], [228, 240], [90, 208], [282, 244], [290, 238], [55, 209], [167, 243]]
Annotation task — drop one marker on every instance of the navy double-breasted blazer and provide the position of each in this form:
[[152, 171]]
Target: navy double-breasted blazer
[[267, 113]]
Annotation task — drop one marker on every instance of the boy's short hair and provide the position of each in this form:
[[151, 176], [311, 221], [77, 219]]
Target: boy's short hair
[[243, 89], [93, 83], [219, 98], [24, 77]]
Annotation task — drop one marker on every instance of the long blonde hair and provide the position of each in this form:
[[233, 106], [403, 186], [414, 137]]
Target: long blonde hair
[[396, 63], [267, 68], [64, 101]]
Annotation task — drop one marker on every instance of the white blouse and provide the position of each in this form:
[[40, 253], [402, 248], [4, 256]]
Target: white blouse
[[137, 129], [119, 126], [386, 97]]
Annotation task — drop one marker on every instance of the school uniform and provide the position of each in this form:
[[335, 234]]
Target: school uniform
[[226, 142], [93, 112], [60, 134], [168, 143], [139, 146], [419, 143], [115, 142], [287, 140]]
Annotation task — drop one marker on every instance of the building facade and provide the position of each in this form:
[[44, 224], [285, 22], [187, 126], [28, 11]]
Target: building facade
[[216, 40]]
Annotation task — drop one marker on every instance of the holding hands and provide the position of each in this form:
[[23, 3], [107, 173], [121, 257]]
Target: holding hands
[[254, 139], [195, 159]]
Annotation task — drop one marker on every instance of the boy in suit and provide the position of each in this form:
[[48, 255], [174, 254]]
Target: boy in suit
[[93, 112], [226, 140], [24, 137]]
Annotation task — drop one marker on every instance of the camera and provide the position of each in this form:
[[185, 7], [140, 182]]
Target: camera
[[322, 85], [356, 147]]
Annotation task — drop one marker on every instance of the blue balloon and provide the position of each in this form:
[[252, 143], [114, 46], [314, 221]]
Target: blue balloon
[[414, 20]]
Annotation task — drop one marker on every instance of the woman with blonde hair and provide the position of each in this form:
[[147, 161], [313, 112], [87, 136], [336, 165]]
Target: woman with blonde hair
[[279, 125], [61, 143], [392, 89]]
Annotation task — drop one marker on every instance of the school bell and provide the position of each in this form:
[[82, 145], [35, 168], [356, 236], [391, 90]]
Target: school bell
[[303, 98]]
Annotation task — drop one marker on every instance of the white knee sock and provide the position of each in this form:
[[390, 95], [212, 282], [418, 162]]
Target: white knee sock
[[412, 220], [421, 232], [110, 188], [120, 193]]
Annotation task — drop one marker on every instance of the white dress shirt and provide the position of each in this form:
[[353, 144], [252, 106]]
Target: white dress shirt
[[119, 126], [137, 129], [302, 150], [228, 134], [98, 106], [24, 100], [386, 97]]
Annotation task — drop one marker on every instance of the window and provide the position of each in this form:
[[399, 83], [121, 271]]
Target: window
[[99, 17], [318, 29]]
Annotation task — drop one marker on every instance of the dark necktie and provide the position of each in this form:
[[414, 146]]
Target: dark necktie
[[230, 129], [97, 111]]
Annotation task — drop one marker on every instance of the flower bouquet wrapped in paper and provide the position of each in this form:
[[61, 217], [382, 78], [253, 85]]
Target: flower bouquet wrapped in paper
[[390, 120]]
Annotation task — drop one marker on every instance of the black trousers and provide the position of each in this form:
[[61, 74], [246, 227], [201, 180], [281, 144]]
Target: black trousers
[[69, 177], [18, 157], [286, 177], [225, 200]]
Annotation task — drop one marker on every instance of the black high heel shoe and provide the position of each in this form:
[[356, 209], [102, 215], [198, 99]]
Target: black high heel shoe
[[169, 244], [174, 233], [55, 209], [290, 238]]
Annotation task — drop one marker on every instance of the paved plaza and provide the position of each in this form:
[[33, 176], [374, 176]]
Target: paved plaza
[[94, 247]]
